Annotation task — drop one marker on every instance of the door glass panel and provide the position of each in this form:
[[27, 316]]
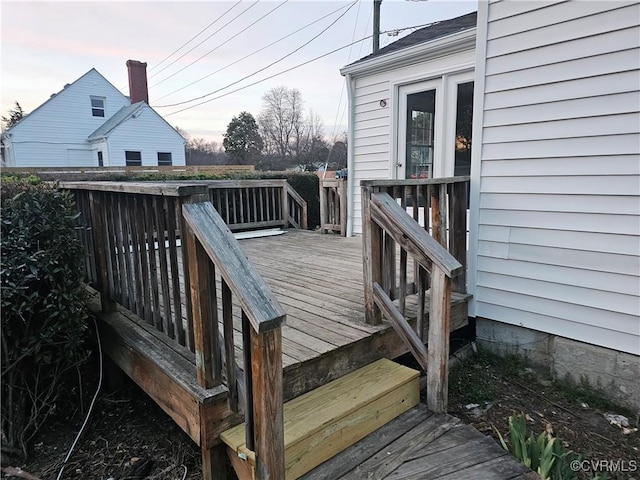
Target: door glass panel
[[464, 124], [420, 128]]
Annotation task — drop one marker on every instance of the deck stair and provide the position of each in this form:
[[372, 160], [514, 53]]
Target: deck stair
[[325, 421]]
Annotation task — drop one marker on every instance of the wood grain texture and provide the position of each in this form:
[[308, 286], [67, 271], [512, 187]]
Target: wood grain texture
[[438, 341], [261, 307]]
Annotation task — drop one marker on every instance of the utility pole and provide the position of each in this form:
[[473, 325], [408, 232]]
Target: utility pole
[[376, 25]]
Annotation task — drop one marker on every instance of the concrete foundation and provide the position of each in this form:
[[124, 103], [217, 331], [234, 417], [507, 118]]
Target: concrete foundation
[[617, 373]]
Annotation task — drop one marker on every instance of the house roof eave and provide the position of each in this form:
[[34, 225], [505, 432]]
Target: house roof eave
[[438, 47]]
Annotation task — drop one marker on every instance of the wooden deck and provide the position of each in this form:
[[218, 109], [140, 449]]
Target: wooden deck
[[318, 281], [423, 445]]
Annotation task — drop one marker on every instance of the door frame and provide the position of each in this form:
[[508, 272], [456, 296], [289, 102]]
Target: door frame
[[445, 86]]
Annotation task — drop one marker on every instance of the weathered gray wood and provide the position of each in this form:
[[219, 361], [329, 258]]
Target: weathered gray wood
[[390, 216], [386, 461], [420, 181], [353, 456], [247, 353], [151, 230], [300, 207], [100, 249], [266, 369], [400, 325], [458, 232], [439, 329], [160, 214], [172, 225], [371, 258], [229, 349], [170, 189], [205, 312], [261, 307]]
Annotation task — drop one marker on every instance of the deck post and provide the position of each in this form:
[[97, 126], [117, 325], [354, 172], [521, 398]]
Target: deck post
[[438, 341], [266, 369], [324, 214], [204, 313], [371, 259], [284, 195], [100, 240], [342, 198]]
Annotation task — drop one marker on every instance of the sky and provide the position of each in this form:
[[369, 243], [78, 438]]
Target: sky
[[45, 45]]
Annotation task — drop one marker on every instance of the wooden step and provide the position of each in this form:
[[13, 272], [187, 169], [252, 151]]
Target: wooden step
[[325, 421]]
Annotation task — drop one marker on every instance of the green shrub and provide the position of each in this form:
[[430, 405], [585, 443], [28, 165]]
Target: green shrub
[[43, 305], [545, 454]]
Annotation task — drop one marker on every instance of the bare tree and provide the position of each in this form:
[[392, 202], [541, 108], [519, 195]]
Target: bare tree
[[281, 121]]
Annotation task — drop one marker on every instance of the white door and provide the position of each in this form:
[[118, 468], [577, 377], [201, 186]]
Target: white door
[[433, 134], [418, 109]]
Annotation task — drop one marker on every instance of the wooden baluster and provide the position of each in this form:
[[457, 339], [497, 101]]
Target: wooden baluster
[[403, 263], [139, 224], [255, 207], [160, 215], [177, 328], [284, 204], [458, 232], [124, 254], [112, 265], [135, 255], [185, 335], [154, 280], [229, 346], [261, 193], [248, 382], [98, 234]]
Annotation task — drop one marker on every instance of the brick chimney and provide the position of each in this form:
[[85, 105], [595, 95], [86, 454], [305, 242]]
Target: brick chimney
[[138, 90]]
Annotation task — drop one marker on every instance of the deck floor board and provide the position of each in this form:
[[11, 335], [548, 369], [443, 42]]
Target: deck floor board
[[420, 444]]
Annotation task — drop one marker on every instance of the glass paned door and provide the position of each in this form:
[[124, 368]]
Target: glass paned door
[[420, 129], [464, 127]]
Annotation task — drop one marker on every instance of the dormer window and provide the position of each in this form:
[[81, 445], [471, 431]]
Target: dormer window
[[97, 106]]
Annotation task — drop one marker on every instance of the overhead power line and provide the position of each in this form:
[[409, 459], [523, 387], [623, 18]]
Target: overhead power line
[[196, 35], [288, 70], [253, 53], [266, 67], [207, 38]]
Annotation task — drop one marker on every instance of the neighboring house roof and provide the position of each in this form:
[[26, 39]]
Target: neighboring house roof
[[26, 117], [116, 119], [426, 34]]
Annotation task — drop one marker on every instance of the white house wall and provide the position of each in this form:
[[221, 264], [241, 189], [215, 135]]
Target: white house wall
[[149, 134], [557, 208], [62, 125], [374, 124]]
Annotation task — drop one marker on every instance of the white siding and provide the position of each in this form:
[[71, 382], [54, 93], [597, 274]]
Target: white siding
[[147, 133], [63, 123], [557, 219], [374, 125]]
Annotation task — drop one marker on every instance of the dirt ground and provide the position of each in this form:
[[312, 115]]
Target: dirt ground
[[129, 437]]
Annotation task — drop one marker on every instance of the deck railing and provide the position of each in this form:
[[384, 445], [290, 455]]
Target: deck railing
[[251, 204], [437, 221], [213, 250], [133, 233], [333, 206]]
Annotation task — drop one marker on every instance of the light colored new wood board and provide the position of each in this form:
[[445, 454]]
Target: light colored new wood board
[[322, 422]]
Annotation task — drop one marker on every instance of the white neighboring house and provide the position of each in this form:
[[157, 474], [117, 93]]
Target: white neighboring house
[[554, 234], [91, 123]]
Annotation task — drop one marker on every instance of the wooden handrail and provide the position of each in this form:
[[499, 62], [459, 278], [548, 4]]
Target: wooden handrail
[[297, 209], [257, 301], [212, 248], [411, 237], [333, 206], [386, 226]]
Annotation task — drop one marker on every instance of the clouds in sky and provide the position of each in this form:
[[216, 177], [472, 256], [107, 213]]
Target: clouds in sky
[[48, 44]]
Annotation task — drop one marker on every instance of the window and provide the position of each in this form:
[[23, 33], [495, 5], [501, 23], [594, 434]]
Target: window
[[164, 158], [97, 106], [134, 159], [100, 160]]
